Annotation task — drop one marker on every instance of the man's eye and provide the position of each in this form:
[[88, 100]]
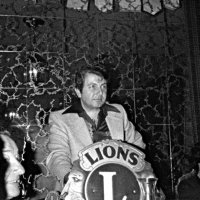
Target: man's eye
[[92, 86], [104, 87]]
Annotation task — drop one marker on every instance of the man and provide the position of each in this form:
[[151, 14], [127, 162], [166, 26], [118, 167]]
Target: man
[[14, 170], [89, 120], [188, 187]]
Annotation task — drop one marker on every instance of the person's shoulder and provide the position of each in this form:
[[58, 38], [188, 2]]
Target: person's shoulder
[[187, 177], [58, 112], [117, 106]]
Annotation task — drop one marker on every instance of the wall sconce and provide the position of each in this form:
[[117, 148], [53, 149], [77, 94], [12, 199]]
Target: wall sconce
[[12, 115], [33, 72], [33, 22]]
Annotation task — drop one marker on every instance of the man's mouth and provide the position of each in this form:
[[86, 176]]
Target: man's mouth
[[13, 181], [98, 99]]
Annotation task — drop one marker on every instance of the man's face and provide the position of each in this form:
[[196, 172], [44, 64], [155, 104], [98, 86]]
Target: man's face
[[94, 91], [14, 170]]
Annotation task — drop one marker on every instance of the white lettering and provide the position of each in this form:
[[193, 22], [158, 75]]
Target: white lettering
[[108, 184]]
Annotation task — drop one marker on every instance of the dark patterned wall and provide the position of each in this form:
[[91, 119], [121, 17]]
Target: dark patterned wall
[[147, 55]]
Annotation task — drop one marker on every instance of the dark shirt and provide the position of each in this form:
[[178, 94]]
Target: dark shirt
[[100, 130], [189, 187]]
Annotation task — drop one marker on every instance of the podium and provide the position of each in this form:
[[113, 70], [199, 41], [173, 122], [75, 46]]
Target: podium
[[112, 170], [116, 171]]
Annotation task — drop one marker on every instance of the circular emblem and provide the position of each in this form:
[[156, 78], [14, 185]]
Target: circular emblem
[[112, 181], [113, 168]]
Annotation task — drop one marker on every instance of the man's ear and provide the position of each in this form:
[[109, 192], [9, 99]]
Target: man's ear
[[78, 93]]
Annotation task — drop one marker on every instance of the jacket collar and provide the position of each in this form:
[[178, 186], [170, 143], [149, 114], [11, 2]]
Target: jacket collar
[[77, 108]]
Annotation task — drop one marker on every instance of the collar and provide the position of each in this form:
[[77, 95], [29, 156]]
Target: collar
[[77, 108]]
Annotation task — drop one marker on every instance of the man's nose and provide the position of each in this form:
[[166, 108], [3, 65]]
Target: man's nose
[[19, 168], [100, 90]]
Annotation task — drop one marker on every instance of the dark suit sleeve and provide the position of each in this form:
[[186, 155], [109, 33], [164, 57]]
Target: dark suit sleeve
[[184, 190], [189, 188]]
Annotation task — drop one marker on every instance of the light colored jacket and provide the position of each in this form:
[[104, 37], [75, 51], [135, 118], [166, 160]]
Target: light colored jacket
[[69, 134]]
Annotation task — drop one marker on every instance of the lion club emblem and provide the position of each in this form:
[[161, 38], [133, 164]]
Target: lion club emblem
[[113, 169]]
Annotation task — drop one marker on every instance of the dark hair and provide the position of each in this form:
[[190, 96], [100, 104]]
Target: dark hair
[[95, 69]]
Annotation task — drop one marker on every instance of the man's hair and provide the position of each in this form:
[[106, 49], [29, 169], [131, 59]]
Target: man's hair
[[95, 69]]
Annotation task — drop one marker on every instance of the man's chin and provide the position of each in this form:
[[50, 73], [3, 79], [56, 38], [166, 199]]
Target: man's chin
[[98, 105], [12, 190]]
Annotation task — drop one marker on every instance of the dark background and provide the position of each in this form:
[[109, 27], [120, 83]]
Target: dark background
[[154, 62]]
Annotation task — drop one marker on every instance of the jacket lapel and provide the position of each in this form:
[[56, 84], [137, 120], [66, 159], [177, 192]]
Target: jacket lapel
[[78, 129], [115, 125], [80, 132]]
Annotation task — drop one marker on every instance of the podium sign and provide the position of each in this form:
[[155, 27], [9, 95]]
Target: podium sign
[[113, 169]]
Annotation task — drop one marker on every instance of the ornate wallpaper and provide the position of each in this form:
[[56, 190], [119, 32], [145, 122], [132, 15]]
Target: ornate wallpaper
[[42, 44]]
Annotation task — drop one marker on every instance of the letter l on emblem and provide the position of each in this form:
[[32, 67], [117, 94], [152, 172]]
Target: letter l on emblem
[[108, 184]]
